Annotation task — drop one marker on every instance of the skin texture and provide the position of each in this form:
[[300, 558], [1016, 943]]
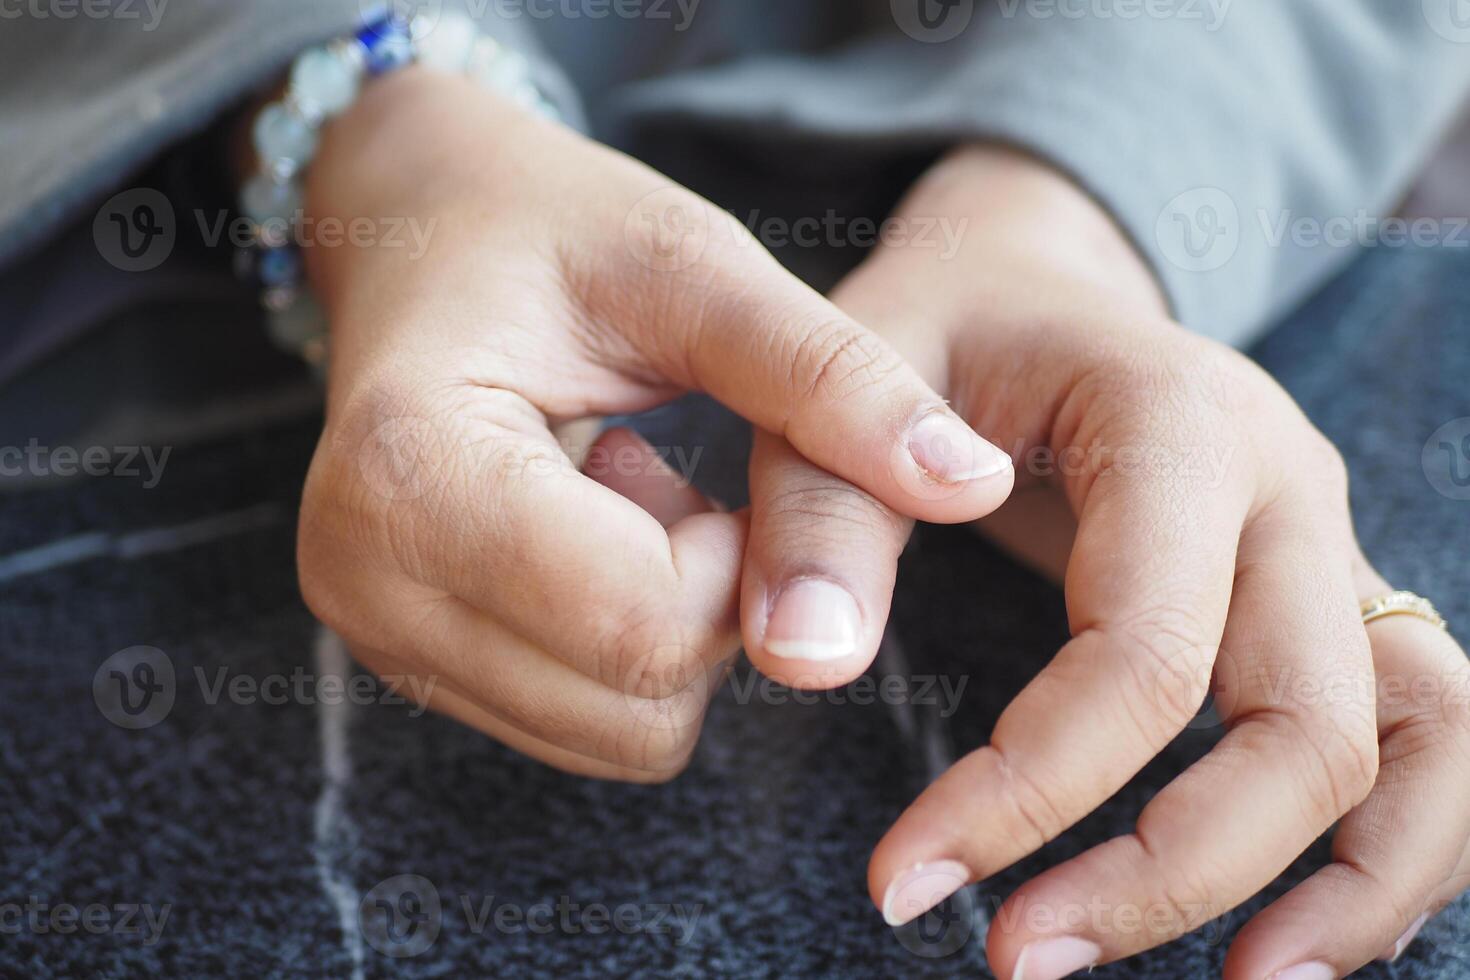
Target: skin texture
[[580, 611], [1183, 579], [584, 615]]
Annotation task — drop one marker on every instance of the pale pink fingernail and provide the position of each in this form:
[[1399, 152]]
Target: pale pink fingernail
[[1403, 941], [1052, 959], [813, 619], [1306, 971], [920, 888], [949, 450]]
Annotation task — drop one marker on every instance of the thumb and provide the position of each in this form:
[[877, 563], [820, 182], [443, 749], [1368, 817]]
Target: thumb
[[791, 362]]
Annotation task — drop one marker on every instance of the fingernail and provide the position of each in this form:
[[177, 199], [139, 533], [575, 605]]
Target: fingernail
[[813, 620], [1403, 941], [1306, 971], [1052, 959], [949, 450], [920, 888]]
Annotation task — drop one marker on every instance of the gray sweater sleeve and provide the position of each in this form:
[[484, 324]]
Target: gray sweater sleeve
[[84, 100], [1222, 134], [1226, 144]]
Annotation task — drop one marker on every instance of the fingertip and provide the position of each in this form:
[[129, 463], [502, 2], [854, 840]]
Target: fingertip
[[944, 472], [811, 635]]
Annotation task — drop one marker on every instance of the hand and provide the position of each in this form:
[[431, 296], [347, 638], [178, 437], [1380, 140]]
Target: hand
[[1202, 526], [446, 534]]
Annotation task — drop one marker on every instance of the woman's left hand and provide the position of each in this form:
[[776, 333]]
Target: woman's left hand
[[1203, 526]]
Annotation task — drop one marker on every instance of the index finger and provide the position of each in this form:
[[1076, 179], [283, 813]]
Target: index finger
[[791, 362], [1148, 590]]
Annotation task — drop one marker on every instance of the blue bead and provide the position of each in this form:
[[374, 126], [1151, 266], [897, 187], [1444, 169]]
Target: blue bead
[[386, 43], [279, 266]]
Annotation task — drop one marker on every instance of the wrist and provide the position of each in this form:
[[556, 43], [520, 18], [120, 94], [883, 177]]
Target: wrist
[[420, 146], [370, 179], [1021, 223], [1023, 205]]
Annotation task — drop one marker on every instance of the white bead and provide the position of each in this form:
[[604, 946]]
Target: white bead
[[449, 44], [524, 94], [501, 70], [262, 199], [283, 139], [325, 81]]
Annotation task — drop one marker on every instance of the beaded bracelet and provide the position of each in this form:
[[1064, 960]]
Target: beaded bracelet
[[324, 83]]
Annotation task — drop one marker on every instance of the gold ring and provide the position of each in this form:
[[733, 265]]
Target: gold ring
[[1402, 603]]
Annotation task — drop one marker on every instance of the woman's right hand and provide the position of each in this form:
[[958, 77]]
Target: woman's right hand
[[448, 536]]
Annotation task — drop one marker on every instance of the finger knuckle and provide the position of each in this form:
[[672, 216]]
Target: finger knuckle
[[329, 540], [1184, 894], [1442, 726], [1186, 898], [660, 741], [835, 360], [1323, 473], [1344, 741], [1036, 817], [651, 654], [1184, 389], [1167, 670], [826, 514]]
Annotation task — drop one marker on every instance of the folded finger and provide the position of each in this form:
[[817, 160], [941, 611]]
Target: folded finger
[[819, 570], [493, 511], [444, 697], [1291, 764], [1148, 587], [1396, 852], [443, 640]]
